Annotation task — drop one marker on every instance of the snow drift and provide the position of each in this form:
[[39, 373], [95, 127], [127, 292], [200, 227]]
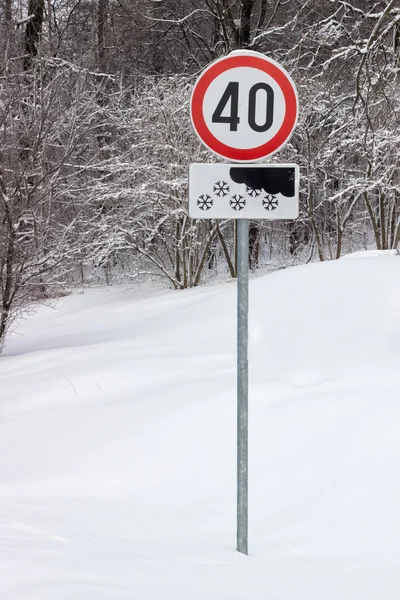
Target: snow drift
[[118, 425]]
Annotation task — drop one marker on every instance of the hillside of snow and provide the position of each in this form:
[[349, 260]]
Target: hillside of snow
[[118, 442]]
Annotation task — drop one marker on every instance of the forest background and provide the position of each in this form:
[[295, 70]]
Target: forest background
[[96, 140]]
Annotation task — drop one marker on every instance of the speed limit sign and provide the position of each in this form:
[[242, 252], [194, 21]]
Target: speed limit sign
[[244, 106]]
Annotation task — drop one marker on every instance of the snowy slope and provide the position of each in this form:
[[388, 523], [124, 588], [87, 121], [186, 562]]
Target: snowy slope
[[118, 449]]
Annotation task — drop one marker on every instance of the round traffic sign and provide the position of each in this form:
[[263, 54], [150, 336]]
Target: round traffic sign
[[244, 106]]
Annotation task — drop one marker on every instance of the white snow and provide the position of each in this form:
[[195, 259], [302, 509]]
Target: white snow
[[118, 442], [373, 253]]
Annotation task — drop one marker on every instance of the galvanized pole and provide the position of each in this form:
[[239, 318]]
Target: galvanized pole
[[242, 383]]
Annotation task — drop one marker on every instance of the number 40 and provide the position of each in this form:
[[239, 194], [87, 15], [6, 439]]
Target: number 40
[[231, 94]]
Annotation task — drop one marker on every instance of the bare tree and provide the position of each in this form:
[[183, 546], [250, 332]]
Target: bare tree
[[46, 133]]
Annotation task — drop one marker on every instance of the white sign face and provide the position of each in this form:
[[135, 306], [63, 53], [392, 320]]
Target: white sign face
[[232, 191], [244, 106]]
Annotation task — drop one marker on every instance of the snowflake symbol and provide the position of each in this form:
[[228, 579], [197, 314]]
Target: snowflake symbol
[[205, 202], [237, 202], [221, 188], [270, 202], [252, 192]]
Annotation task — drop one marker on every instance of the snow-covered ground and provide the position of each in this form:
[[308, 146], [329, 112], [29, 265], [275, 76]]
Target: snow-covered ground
[[118, 442]]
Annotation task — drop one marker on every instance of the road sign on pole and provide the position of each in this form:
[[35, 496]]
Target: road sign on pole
[[244, 107]]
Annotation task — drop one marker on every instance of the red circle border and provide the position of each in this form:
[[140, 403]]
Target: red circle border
[[247, 154]]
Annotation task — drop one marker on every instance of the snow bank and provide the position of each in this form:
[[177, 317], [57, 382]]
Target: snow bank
[[118, 424], [373, 253]]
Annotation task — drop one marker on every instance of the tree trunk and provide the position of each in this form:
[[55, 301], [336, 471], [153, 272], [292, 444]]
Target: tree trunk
[[254, 245], [373, 221], [8, 286], [339, 234], [245, 23], [7, 13], [33, 31], [382, 220], [101, 21], [396, 241], [226, 252], [177, 254]]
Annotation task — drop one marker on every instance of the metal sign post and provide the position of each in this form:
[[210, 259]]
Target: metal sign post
[[242, 383]]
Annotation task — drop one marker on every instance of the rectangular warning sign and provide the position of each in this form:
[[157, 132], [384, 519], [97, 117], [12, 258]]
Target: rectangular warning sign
[[247, 191]]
